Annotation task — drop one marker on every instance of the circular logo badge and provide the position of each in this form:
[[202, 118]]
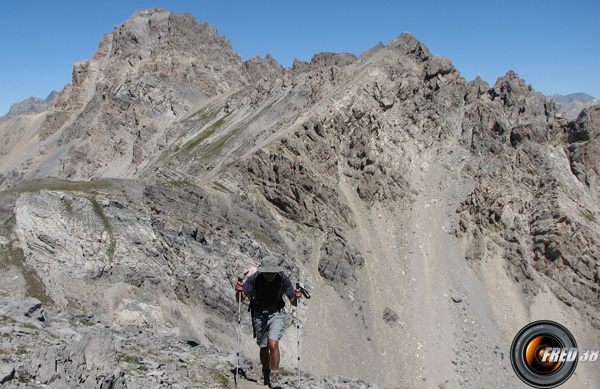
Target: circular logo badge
[[544, 354]]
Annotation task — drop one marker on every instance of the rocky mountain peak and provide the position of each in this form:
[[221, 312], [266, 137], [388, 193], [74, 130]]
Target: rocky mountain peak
[[167, 62], [409, 45], [170, 45], [30, 106], [156, 33], [332, 59]]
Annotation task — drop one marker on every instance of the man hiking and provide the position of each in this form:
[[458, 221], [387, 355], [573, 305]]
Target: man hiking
[[266, 288]]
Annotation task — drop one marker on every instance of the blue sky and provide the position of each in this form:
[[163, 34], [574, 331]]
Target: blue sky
[[553, 45]]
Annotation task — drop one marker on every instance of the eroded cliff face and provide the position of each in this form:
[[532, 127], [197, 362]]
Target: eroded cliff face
[[430, 217]]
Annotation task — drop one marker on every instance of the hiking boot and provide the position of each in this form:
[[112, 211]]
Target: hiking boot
[[275, 380], [266, 377]]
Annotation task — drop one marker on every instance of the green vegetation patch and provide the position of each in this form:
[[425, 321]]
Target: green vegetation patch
[[222, 187], [85, 323], [58, 185], [199, 139], [192, 144], [263, 238], [14, 256], [99, 211], [215, 147], [129, 358], [204, 115], [221, 379], [177, 184], [230, 164], [588, 215]]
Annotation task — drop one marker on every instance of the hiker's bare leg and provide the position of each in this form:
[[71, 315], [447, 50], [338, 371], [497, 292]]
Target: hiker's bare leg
[[273, 348], [264, 357]]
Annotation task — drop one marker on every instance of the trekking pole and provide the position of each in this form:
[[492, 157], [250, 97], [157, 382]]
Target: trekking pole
[[298, 331], [305, 294], [239, 330]]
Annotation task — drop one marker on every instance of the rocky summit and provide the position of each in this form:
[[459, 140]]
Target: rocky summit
[[431, 218]]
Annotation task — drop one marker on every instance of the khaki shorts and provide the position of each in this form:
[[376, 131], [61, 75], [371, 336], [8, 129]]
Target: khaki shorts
[[269, 327]]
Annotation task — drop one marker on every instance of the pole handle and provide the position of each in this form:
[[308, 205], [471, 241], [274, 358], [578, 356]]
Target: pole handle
[[237, 292], [304, 291]]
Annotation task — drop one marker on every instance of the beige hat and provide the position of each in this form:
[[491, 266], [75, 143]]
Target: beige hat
[[270, 264]]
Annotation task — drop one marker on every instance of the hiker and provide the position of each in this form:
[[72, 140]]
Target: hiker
[[266, 288]]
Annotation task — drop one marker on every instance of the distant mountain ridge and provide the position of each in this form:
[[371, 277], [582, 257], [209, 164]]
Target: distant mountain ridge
[[581, 97], [573, 103], [30, 106]]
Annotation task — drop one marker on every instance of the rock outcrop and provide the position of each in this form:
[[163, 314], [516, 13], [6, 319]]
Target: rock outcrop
[[430, 217]]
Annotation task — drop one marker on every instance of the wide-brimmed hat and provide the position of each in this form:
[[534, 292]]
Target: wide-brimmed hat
[[270, 264]]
